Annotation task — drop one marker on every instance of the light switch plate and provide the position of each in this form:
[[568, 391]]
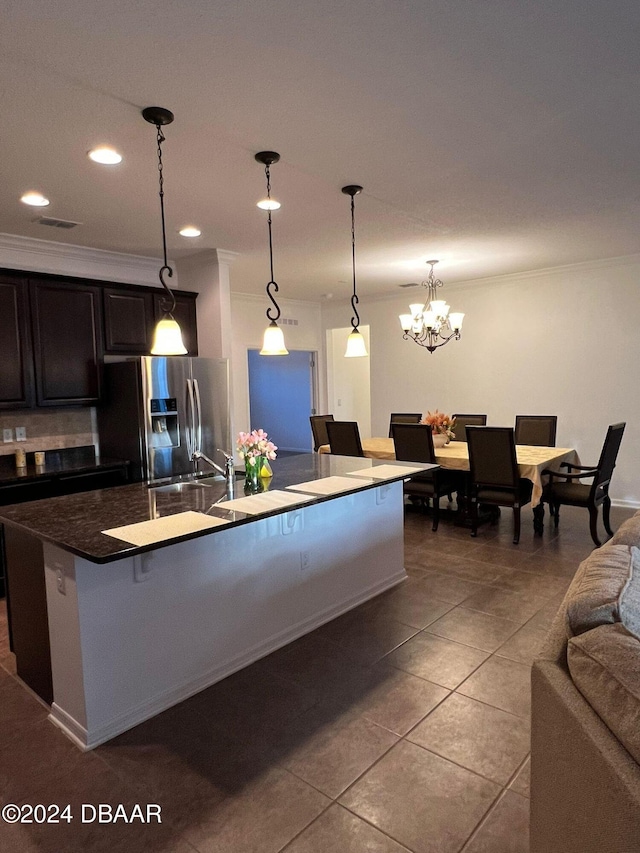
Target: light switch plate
[[21, 434], [7, 435]]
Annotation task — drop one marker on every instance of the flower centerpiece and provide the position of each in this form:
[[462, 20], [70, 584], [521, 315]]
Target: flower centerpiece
[[441, 425], [256, 449]]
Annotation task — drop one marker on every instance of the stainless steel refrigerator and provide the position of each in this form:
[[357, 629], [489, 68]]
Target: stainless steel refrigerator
[[158, 410]]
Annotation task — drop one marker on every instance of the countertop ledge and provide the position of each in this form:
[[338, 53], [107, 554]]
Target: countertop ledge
[[75, 522], [58, 463]]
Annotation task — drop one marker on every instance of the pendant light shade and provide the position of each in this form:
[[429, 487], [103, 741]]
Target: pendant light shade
[[355, 342], [273, 343], [167, 338], [356, 346]]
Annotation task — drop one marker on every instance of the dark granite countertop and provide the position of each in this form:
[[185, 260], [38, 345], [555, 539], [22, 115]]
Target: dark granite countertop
[[69, 460], [74, 522]]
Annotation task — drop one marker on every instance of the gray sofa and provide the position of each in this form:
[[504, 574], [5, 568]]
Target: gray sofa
[[585, 715]]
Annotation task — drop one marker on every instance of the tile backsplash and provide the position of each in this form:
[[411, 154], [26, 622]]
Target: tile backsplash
[[49, 429]]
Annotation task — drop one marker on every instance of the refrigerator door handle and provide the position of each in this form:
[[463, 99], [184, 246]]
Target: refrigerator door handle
[[190, 430], [198, 422]]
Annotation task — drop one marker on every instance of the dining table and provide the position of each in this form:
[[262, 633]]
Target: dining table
[[532, 460]]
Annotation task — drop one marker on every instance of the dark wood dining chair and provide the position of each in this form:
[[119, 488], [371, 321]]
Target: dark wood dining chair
[[414, 443], [463, 421], [495, 479], [566, 488], [404, 418], [319, 430], [344, 438], [536, 429]]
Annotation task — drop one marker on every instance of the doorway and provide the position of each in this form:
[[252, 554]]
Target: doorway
[[349, 381], [282, 396]]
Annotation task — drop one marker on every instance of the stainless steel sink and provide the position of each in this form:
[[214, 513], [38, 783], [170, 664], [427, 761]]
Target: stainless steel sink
[[181, 488]]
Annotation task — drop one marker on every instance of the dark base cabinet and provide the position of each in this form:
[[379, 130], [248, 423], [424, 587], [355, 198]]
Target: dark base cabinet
[[22, 571], [27, 611]]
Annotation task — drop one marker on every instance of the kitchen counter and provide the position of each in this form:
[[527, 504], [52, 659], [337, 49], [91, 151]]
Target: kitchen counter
[[75, 522], [108, 646], [70, 460]]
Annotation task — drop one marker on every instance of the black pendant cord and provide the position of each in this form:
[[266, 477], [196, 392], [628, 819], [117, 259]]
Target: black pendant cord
[[272, 285], [353, 190], [165, 268], [355, 320]]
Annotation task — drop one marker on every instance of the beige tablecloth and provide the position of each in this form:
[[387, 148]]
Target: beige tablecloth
[[532, 460]]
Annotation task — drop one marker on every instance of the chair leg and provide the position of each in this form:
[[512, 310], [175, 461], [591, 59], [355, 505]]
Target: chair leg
[[555, 512], [606, 509], [474, 517], [593, 524], [435, 502], [516, 525]]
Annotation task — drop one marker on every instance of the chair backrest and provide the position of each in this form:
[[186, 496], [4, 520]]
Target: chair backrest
[[403, 418], [344, 438], [492, 457], [319, 429], [536, 429], [413, 442], [463, 421], [607, 461]]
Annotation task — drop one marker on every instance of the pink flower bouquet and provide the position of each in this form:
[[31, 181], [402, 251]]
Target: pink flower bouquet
[[440, 423]]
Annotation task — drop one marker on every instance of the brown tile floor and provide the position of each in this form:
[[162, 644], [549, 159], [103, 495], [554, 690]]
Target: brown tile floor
[[401, 726]]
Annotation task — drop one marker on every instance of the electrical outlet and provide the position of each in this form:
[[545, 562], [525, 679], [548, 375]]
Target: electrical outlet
[[7, 435], [21, 434], [62, 588], [304, 560]]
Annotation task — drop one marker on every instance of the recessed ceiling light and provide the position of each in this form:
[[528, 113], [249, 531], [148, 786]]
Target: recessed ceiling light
[[34, 199], [105, 155], [268, 204], [190, 231]]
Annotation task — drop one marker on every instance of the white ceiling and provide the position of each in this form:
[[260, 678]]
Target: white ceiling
[[497, 135]]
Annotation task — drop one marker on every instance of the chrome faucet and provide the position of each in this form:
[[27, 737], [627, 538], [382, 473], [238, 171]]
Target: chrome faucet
[[228, 471]]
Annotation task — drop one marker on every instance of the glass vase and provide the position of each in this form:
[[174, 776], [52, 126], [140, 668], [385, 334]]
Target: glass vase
[[252, 468]]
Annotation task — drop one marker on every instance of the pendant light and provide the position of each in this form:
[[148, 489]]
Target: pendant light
[[167, 338], [273, 342], [355, 342]]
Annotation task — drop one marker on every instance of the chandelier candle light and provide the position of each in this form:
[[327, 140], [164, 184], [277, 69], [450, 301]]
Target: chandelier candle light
[[273, 342], [167, 338], [430, 324], [355, 342]]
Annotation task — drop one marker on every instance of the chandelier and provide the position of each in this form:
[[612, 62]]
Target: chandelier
[[430, 324]]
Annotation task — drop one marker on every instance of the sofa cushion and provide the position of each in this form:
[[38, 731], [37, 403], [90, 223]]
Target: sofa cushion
[[605, 667], [628, 533], [606, 589]]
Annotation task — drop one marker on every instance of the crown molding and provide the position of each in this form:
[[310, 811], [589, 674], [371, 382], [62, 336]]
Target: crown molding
[[67, 259], [507, 278]]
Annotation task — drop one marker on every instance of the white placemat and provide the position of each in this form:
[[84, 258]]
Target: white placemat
[[264, 502], [165, 528], [384, 472], [331, 485]]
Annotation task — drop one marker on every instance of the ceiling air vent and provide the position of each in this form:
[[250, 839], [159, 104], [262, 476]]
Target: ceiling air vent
[[409, 284], [56, 223]]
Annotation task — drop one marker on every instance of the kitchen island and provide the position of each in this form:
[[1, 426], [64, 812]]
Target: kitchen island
[[188, 586]]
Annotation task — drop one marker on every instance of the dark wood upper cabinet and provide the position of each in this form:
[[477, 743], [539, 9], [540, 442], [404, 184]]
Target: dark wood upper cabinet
[[16, 363], [128, 321], [185, 315], [67, 342]]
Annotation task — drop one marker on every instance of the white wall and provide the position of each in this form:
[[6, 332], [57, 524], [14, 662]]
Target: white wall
[[562, 341]]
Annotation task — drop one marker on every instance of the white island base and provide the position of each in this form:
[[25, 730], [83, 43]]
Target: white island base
[[133, 637]]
